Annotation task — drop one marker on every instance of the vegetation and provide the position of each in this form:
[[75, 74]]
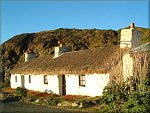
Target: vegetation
[[21, 92], [1, 85], [53, 101], [132, 95]]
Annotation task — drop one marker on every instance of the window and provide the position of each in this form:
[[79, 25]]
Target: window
[[15, 78], [29, 78], [45, 79], [82, 80]]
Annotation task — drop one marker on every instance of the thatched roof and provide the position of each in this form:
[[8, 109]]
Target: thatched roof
[[142, 48], [98, 60]]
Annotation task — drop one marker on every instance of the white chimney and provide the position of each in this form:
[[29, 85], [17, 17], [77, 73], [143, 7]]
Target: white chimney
[[130, 38], [29, 55], [60, 49]]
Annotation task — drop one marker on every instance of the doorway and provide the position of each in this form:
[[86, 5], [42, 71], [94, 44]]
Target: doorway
[[62, 84], [22, 81]]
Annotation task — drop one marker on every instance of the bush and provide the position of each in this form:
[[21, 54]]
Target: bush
[[108, 109], [115, 92], [87, 103], [138, 102], [7, 83], [115, 95], [21, 92], [11, 98], [1, 85], [121, 98], [53, 101]]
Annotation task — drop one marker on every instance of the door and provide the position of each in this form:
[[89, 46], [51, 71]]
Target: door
[[22, 81], [62, 85]]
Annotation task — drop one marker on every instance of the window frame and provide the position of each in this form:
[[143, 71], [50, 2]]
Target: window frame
[[45, 79], [82, 81], [29, 79], [16, 78]]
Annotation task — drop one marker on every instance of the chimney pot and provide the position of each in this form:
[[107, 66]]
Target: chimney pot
[[132, 26], [29, 55], [61, 43]]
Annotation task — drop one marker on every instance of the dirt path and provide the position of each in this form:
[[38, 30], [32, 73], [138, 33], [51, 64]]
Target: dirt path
[[20, 107]]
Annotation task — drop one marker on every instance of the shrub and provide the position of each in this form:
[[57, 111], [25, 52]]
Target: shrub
[[115, 92], [21, 92], [53, 101], [11, 98], [32, 99], [138, 102], [1, 85], [87, 103], [108, 109], [115, 95], [121, 98], [7, 83]]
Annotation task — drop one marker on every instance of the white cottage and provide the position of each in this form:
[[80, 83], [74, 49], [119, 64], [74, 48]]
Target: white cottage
[[84, 72]]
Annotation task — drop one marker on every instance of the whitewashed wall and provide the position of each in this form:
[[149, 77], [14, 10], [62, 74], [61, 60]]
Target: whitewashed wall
[[127, 66], [12, 81], [126, 38], [95, 84], [37, 83]]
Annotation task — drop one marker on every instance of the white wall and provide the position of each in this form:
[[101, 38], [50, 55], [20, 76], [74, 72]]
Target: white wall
[[127, 66], [126, 37], [12, 81], [72, 84], [95, 84], [37, 83]]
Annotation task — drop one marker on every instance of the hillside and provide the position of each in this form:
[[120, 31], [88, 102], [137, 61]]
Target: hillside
[[12, 51]]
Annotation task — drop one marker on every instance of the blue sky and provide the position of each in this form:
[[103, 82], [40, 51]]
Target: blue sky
[[27, 16]]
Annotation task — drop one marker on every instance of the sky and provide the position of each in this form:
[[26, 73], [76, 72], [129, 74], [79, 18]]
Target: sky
[[28, 16]]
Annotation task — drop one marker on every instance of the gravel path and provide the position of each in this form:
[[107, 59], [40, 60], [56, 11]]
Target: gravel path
[[20, 107]]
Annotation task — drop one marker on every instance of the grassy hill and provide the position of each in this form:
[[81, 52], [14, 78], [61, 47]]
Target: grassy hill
[[12, 51]]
